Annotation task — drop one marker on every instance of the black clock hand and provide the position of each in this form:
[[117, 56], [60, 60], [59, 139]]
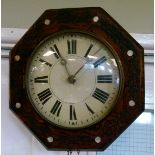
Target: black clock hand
[[63, 62], [80, 68], [72, 77]]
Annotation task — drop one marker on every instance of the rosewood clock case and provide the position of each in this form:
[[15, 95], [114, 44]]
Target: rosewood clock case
[[130, 103]]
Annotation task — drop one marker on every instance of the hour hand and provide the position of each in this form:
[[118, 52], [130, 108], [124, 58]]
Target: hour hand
[[71, 78], [64, 63]]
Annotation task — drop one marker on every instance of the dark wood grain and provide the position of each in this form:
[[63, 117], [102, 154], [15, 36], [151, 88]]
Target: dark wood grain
[[107, 30]]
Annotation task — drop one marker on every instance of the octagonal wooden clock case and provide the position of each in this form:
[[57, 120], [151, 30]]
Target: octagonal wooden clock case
[[77, 79]]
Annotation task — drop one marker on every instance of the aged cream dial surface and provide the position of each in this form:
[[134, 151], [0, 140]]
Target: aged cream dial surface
[[73, 80]]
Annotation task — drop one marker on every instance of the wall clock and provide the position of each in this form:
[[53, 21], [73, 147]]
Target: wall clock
[[77, 79]]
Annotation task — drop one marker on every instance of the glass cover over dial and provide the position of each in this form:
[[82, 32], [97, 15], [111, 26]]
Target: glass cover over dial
[[73, 80]]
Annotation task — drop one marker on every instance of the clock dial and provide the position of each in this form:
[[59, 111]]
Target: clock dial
[[73, 80]]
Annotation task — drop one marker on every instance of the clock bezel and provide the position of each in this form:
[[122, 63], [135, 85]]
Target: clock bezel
[[121, 75]]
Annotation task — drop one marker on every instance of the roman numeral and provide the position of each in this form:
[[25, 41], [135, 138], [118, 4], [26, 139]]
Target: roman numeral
[[41, 79], [45, 95], [72, 113], [56, 108], [88, 50], [71, 46], [45, 62], [100, 95], [89, 109], [104, 78], [56, 51], [100, 61]]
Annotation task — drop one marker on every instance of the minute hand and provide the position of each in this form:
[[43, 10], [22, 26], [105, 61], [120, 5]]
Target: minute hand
[[79, 69], [74, 75], [84, 64], [71, 78]]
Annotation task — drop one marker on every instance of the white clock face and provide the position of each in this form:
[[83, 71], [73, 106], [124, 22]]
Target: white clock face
[[73, 80]]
